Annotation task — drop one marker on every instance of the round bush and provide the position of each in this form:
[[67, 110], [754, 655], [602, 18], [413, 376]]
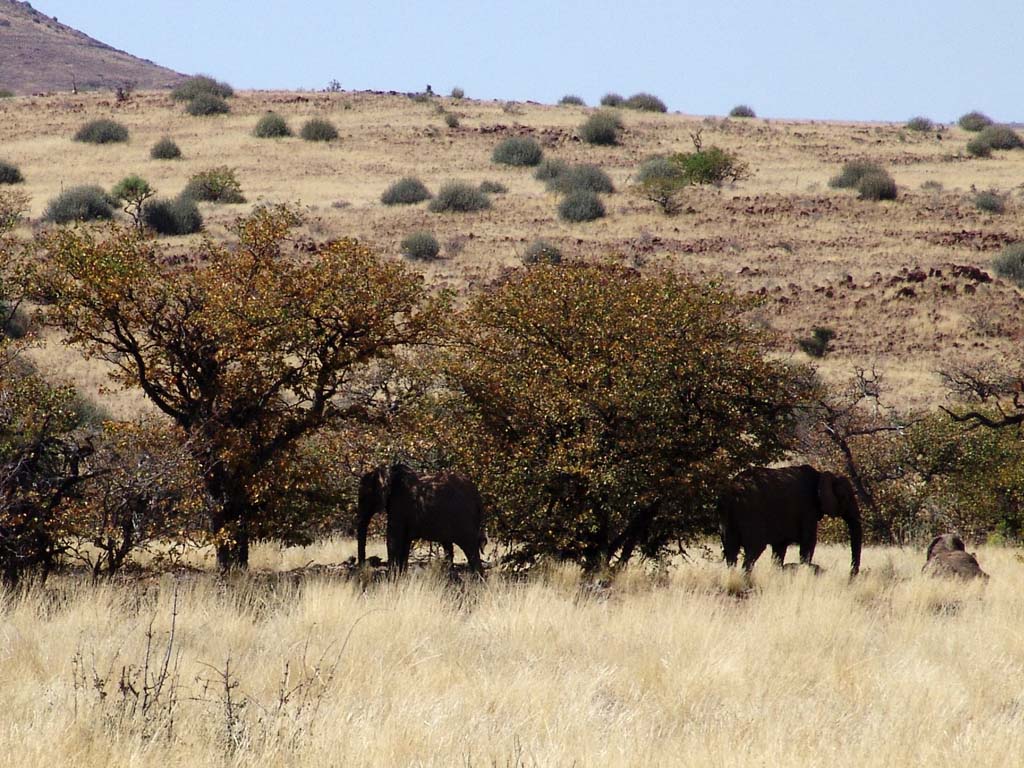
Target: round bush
[[86, 203], [165, 149], [575, 178], [978, 147], [601, 128], [102, 131], [645, 102], [542, 252], [420, 245], [990, 202], [852, 172], [658, 167], [492, 187], [215, 185], [271, 126], [172, 217], [741, 110], [975, 121], [458, 93], [519, 151], [920, 124], [877, 185], [1001, 137], [459, 197], [201, 85], [1010, 263], [10, 173], [612, 100], [318, 129], [451, 119], [206, 105], [581, 205], [549, 169], [570, 100], [405, 191]]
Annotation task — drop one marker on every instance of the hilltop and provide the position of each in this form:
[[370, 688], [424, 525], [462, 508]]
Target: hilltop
[[39, 54]]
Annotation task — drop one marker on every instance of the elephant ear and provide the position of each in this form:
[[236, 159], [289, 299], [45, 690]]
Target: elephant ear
[[384, 477], [828, 504]]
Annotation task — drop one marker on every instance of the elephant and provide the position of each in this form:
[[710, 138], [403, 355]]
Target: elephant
[[947, 556], [777, 507], [444, 507]]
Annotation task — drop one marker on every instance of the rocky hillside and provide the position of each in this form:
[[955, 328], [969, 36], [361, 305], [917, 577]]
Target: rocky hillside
[[39, 54]]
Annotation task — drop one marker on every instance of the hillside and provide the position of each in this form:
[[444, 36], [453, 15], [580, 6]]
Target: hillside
[[39, 54]]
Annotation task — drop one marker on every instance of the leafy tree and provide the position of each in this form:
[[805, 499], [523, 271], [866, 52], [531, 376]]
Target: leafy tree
[[133, 191], [600, 408], [247, 355]]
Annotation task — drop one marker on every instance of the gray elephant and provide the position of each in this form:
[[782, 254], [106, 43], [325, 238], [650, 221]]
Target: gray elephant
[[443, 507], [778, 507], [947, 556]]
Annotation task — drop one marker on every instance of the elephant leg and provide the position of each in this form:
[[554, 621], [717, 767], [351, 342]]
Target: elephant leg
[[779, 554], [472, 553], [809, 540], [807, 552], [730, 546], [750, 555], [449, 551]]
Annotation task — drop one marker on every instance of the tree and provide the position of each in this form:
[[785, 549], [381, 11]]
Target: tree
[[133, 191], [600, 409], [248, 353]]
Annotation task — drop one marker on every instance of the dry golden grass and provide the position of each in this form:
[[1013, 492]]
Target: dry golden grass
[[673, 669]]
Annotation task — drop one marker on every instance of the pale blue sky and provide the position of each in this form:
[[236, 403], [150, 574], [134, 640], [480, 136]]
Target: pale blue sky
[[829, 59]]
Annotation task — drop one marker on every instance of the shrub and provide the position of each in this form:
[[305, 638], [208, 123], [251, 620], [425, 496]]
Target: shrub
[[133, 191], [271, 126], [816, 345], [657, 167], [990, 202], [201, 85], [451, 119], [742, 110], [978, 147], [662, 181], [173, 217], [215, 185], [549, 169], [86, 203], [581, 205], [1001, 137], [612, 100], [165, 149], [493, 187], [601, 128], [645, 102], [318, 129], [974, 121], [852, 172], [10, 173], [405, 191], [542, 252], [569, 100], [420, 245], [518, 151], [581, 177], [711, 166], [6, 94], [13, 204], [207, 104], [1010, 263], [458, 93], [878, 185], [920, 124], [460, 197], [102, 131]]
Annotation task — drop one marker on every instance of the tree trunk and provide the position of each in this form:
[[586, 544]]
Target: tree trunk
[[231, 529]]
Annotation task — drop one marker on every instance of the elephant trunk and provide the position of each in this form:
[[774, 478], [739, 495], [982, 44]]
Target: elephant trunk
[[856, 540]]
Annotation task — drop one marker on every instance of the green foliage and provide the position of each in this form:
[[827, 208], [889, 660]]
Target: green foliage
[[920, 124], [581, 205], [612, 100], [458, 93], [271, 126], [1001, 137], [645, 102], [318, 129], [215, 185], [990, 201], [420, 245], [406, 191], [6, 94], [742, 110], [581, 177], [165, 149], [206, 105], [975, 121], [978, 147], [13, 204], [540, 251], [658, 167], [662, 180], [518, 151], [85, 203], [711, 166], [201, 85], [550, 169], [602, 128], [10, 173], [1010, 263], [878, 185], [569, 100], [173, 217], [600, 409], [457, 196], [816, 345], [852, 172], [133, 191], [102, 131], [492, 187]]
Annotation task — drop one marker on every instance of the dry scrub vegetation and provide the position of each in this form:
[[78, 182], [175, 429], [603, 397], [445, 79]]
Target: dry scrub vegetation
[[680, 667]]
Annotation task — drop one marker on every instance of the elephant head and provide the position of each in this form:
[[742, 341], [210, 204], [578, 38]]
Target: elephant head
[[837, 499], [374, 492]]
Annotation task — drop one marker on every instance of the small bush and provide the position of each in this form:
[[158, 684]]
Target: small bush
[[711, 166], [876, 186], [816, 345], [6, 94], [581, 205], [459, 197], [920, 124], [658, 167], [1010, 263], [1001, 137], [852, 172], [742, 110], [519, 151], [318, 129], [10, 173], [570, 100], [207, 105], [645, 102], [173, 217], [974, 121], [601, 128], [549, 169], [990, 202], [612, 100], [86, 203], [201, 85], [575, 178], [492, 187], [407, 191], [542, 252], [215, 185], [978, 147], [458, 93], [13, 205], [165, 149], [271, 126], [662, 181], [451, 119], [102, 131], [420, 245]]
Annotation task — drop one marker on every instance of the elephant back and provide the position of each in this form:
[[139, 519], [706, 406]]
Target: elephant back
[[947, 542]]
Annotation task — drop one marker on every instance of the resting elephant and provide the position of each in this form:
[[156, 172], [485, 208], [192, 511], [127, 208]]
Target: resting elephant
[[778, 507], [444, 507], [947, 556]]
